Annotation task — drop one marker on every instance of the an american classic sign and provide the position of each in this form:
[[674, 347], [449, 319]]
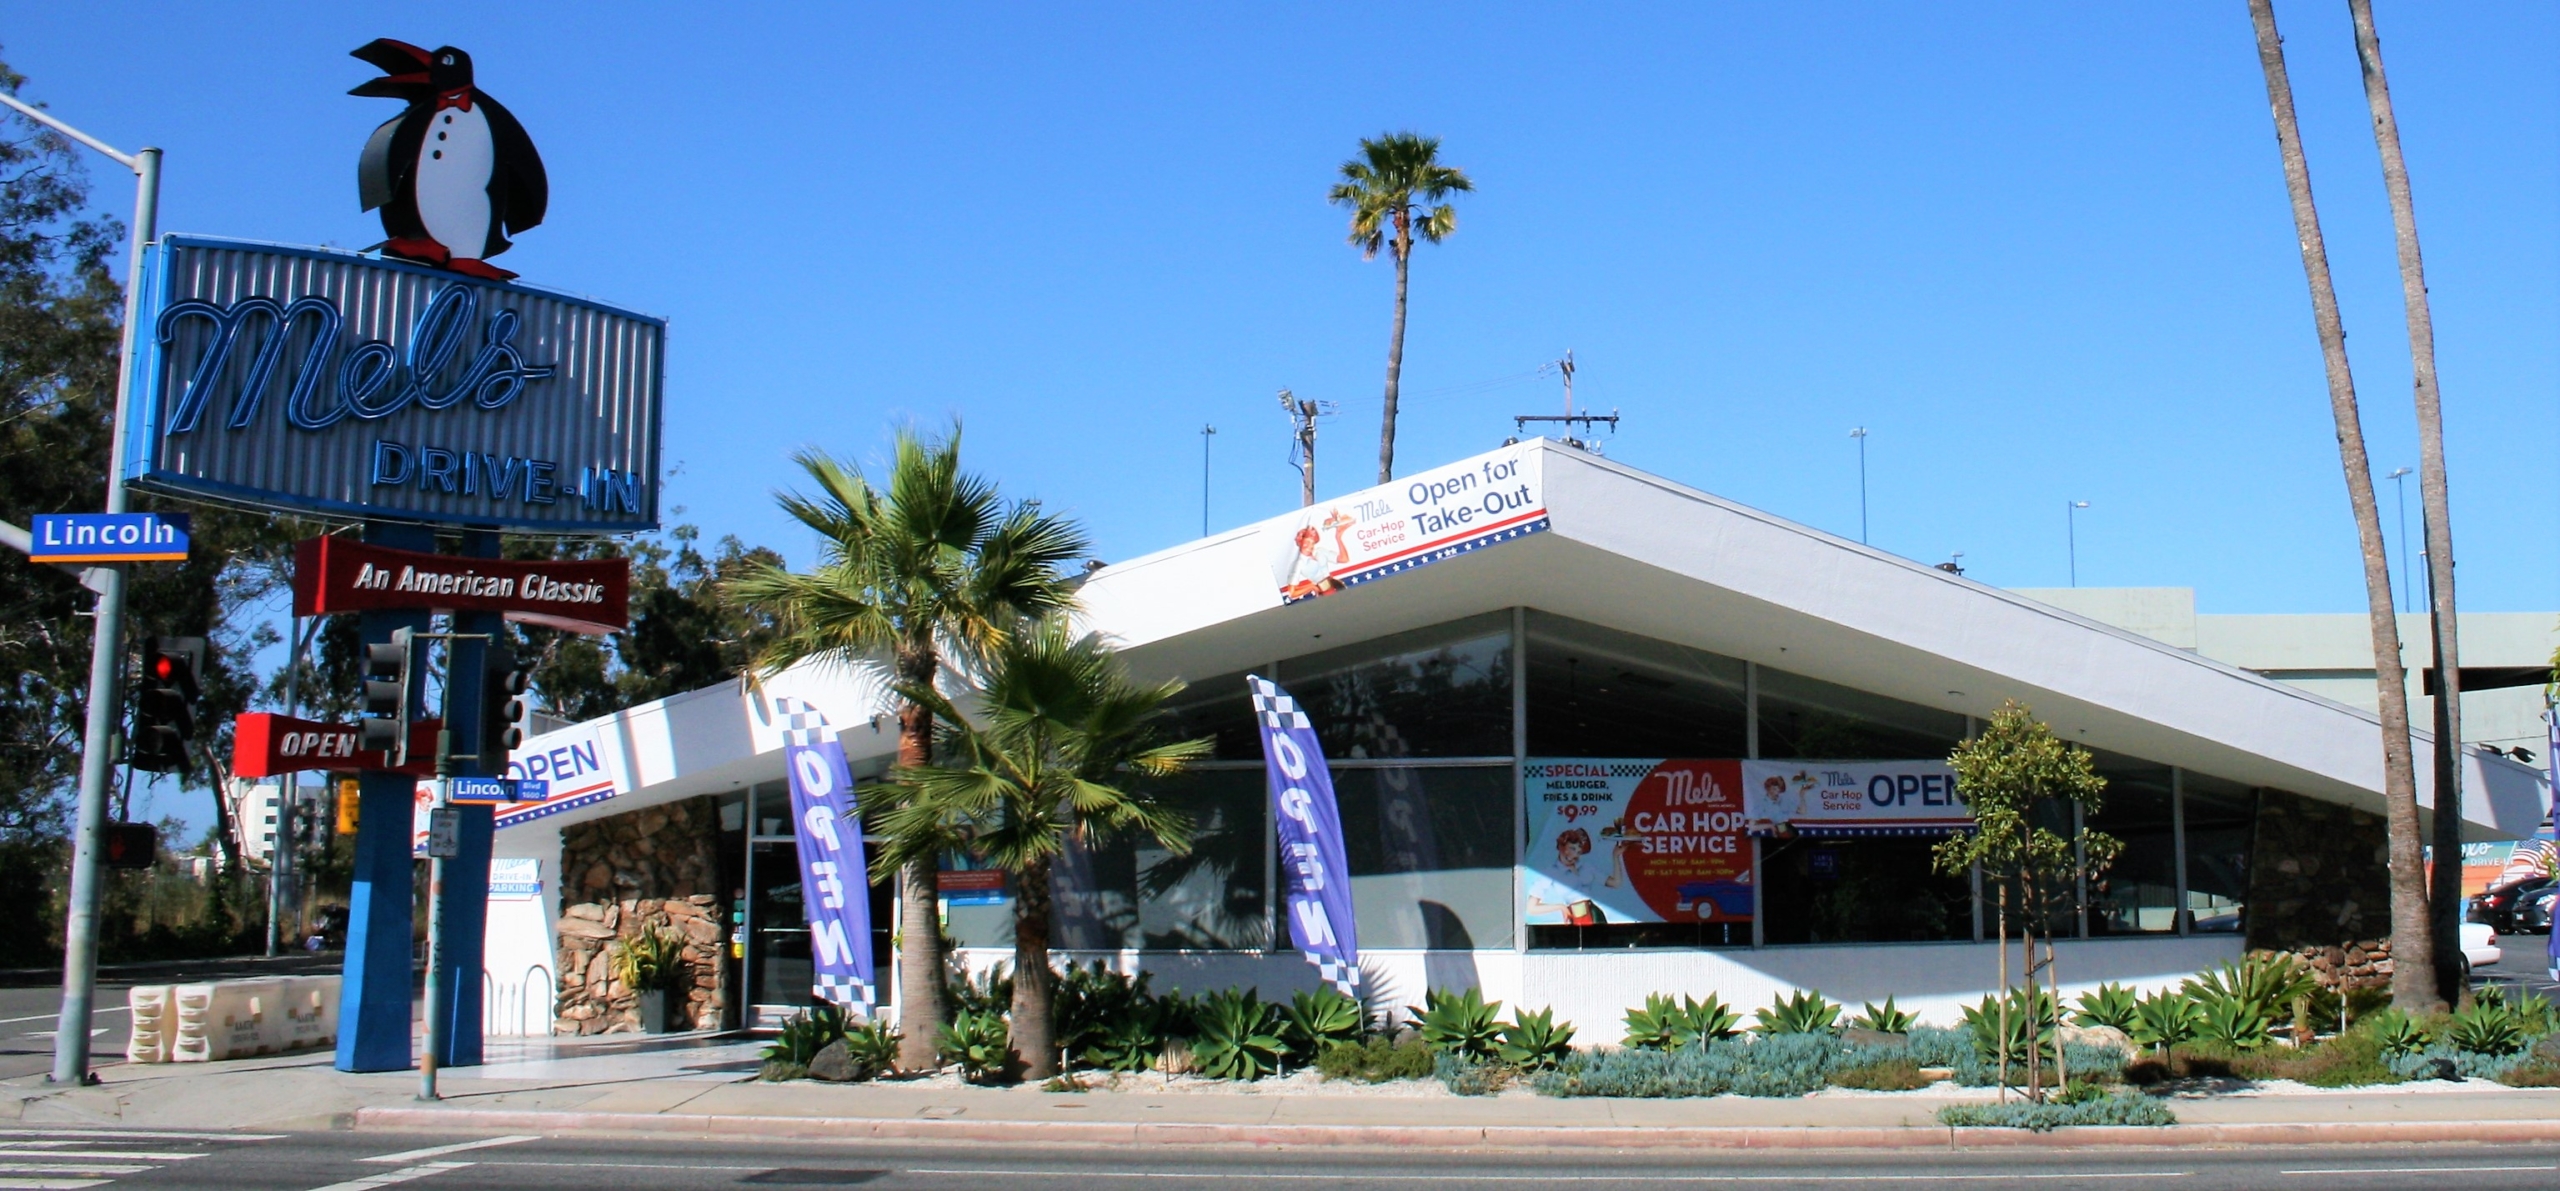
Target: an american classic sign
[[339, 574], [313, 380]]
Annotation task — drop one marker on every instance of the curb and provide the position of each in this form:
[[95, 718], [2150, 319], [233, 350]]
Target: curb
[[1449, 1137]]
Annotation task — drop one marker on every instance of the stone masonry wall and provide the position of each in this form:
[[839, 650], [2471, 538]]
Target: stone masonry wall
[[654, 867], [2319, 886]]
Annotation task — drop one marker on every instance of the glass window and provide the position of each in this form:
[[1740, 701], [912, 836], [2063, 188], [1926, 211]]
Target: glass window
[[1220, 709], [771, 809], [1444, 691], [1596, 692], [1859, 890], [1430, 853], [2138, 894], [2222, 820], [1804, 717], [1130, 892]]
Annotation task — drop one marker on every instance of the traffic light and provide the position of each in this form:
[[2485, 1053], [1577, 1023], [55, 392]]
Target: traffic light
[[386, 696], [503, 680], [164, 709], [128, 845]]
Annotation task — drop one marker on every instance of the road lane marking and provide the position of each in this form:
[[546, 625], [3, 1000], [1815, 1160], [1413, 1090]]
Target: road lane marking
[[11, 1021], [388, 1177], [455, 1148], [138, 1135], [2423, 1169], [50, 1184], [109, 1168], [110, 1155], [1984, 1177]]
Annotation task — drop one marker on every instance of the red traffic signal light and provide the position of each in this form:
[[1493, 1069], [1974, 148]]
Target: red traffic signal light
[[164, 710]]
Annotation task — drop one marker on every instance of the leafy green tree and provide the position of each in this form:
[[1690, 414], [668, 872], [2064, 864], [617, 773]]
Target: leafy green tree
[[1386, 188], [1061, 747], [933, 560], [2024, 785]]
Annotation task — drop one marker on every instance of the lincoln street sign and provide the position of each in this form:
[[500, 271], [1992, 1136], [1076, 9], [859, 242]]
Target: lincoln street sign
[[499, 789], [108, 537]]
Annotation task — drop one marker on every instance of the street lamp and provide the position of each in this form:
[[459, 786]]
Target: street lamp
[[2400, 490], [2071, 534], [1206, 431], [1860, 433], [106, 650]]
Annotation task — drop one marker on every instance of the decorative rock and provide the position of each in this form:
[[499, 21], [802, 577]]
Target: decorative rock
[[2095, 1036], [833, 1063], [1858, 1037]]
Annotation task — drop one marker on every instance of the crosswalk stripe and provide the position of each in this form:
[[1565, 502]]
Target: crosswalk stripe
[[104, 1168], [388, 1177], [137, 1135], [111, 1155], [455, 1148], [8, 1184]]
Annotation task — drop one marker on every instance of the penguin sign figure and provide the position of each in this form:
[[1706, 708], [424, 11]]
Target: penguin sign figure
[[454, 174]]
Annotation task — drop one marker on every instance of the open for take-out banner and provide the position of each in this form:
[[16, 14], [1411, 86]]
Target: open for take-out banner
[[1636, 840]]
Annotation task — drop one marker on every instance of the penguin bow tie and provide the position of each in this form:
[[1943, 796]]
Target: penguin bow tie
[[459, 97]]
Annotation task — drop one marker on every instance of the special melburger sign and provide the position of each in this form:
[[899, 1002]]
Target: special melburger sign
[[340, 575]]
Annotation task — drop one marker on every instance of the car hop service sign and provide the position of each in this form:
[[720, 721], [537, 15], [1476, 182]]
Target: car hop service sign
[[1636, 841], [1854, 798], [317, 380], [1425, 518]]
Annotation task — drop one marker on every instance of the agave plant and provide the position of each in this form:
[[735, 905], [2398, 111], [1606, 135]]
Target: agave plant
[[1805, 1012], [990, 993], [1313, 1021], [1533, 1039], [979, 1043], [1711, 1019], [804, 1034], [2234, 1022], [873, 1047], [2010, 1028], [2110, 1005], [2397, 1033], [2164, 1019], [2266, 981], [2486, 1028], [1237, 1036], [1130, 1044], [2537, 1014], [1093, 1001], [1461, 1023], [1885, 1018], [1659, 1025]]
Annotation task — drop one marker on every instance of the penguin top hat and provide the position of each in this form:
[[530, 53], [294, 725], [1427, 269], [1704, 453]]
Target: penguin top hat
[[454, 174]]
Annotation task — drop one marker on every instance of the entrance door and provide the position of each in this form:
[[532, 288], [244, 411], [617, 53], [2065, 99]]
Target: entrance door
[[779, 972]]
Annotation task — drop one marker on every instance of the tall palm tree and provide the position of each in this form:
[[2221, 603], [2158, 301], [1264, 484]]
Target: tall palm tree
[[2413, 987], [2447, 881], [1061, 747], [935, 561], [1386, 187]]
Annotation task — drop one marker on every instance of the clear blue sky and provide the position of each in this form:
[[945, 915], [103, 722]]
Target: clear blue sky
[[2041, 250]]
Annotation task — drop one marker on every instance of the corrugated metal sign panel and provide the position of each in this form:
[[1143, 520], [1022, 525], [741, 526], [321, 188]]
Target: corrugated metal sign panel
[[313, 380]]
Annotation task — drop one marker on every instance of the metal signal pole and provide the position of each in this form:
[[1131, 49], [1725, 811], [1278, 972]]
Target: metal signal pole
[[1860, 433], [1302, 448], [1206, 432], [106, 652], [2071, 534]]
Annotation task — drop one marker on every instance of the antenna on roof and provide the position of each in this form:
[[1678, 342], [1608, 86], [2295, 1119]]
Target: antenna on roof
[[1587, 421], [1302, 439]]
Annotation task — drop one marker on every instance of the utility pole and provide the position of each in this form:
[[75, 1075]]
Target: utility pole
[[1302, 440], [1860, 433], [1206, 432], [1588, 422], [2071, 534], [106, 653]]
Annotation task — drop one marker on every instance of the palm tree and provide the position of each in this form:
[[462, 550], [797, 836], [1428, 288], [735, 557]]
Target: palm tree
[[2447, 881], [1385, 188], [2413, 986], [1059, 749], [935, 561]]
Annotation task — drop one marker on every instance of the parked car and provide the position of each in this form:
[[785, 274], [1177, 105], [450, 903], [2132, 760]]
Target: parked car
[[2479, 947], [2533, 910], [2496, 905]]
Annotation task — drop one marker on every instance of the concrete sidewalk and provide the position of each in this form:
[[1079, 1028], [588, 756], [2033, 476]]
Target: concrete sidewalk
[[703, 1087]]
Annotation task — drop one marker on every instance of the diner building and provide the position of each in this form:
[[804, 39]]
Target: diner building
[[1469, 644]]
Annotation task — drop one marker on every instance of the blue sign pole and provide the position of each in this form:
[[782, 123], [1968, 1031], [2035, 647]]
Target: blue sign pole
[[466, 877], [373, 998], [1315, 875]]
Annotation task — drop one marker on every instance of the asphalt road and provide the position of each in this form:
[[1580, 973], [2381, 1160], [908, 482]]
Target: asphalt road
[[30, 999], [361, 1161]]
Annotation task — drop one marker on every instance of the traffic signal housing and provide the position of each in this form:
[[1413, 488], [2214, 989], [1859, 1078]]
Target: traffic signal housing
[[386, 696], [504, 679], [164, 709], [128, 845]]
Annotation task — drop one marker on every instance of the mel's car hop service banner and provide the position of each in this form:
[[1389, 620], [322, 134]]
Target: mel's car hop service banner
[[1613, 841], [1416, 521], [1854, 798]]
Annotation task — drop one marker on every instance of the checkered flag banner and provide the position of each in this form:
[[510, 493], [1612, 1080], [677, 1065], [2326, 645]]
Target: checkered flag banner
[[835, 877], [1315, 878]]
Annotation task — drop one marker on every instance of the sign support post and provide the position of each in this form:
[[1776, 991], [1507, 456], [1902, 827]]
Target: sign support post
[[373, 1014], [106, 653]]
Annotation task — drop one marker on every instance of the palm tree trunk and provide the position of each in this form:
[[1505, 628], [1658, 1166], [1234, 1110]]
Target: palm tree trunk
[[2412, 986], [1395, 354], [920, 1008], [2446, 891], [1034, 985]]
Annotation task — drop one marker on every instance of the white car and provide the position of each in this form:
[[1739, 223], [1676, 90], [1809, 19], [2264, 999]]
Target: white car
[[2479, 946]]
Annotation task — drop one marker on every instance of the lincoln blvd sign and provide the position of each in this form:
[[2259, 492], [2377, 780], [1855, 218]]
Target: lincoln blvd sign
[[340, 575]]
